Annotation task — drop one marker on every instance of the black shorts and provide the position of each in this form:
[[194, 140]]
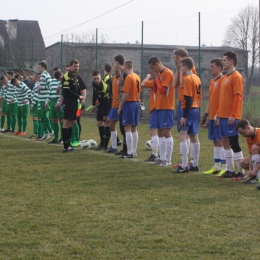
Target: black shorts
[[103, 110], [70, 107]]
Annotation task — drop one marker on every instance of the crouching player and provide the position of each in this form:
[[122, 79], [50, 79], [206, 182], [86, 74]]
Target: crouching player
[[251, 162]]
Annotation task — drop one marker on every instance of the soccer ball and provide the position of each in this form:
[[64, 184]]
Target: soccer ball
[[85, 144], [93, 144], [148, 145]]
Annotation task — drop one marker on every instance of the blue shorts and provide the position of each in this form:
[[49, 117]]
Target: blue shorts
[[113, 114], [213, 133], [179, 112], [165, 118], [225, 129], [131, 115], [192, 123], [153, 120]]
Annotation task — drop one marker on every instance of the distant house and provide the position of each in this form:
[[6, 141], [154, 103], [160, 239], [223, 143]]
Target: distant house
[[21, 44]]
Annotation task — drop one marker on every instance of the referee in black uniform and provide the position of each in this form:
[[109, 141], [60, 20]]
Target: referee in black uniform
[[71, 94]]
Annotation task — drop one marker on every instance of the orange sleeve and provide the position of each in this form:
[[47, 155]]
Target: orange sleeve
[[159, 85], [187, 88], [127, 85], [236, 105], [149, 84]]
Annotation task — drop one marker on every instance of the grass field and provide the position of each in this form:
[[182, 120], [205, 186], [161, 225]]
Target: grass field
[[92, 205]]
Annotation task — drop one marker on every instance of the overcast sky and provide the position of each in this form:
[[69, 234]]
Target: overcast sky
[[166, 21]]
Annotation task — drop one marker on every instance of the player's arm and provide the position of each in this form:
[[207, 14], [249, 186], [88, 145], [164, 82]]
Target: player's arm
[[159, 85], [147, 79], [94, 97], [84, 94], [176, 80], [29, 94], [2, 93], [125, 96], [205, 115], [188, 101], [236, 105]]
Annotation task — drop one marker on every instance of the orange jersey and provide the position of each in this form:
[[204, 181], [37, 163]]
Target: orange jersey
[[115, 91], [132, 86], [251, 141], [231, 85], [180, 87], [192, 88], [165, 100], [150, 84], [214, 90]]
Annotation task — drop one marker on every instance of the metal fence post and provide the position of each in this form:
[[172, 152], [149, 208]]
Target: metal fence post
[[96, 48], [61, 52]]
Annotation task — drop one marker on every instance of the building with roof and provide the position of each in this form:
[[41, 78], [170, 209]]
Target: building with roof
[[21, 44], [86, 54]]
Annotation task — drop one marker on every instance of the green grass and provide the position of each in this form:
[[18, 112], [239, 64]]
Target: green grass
[[92, 205]]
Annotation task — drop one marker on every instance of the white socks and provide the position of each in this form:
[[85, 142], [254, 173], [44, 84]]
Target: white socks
[[114, 139], [188, 144], [155, 145], [222, 158], [129, 142], [184, 154], [237, 157], [195, 153], [162, 147], [217, 160], [229, 155], [169, 148], [135, 141], [255, 162]]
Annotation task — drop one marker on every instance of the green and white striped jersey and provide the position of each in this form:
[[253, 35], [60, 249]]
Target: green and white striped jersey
[[53, 89], [3, 91], [45, 80], [10, 93], [34, 94], [23, 93]]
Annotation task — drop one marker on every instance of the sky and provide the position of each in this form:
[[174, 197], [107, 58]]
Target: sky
[[120, 21]]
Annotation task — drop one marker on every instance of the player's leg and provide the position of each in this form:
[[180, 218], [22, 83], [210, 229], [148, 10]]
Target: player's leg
[[19, 121], [25, 111], [168, 123], [101, 129], [154, 136], [128, 120], [254, 173], [238, 156], [13, 114], [183, 151], [193, 122], [226, 131], [3, 114], [136, 119], [213, 135], [60, 115], [70, 109], [113, 118]]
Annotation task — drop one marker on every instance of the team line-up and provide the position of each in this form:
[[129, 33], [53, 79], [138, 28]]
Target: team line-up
[[56, 106]]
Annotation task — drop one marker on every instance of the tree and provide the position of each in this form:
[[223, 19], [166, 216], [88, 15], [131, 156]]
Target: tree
[[243, 33], [83, 48]]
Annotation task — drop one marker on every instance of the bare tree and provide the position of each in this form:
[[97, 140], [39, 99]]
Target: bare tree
[[243, 33], [83, 48]]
